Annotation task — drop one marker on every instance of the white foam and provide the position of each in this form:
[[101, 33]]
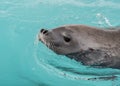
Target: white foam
[[102, 20]]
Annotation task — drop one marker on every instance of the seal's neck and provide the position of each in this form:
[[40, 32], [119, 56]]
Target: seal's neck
[[92, 58]]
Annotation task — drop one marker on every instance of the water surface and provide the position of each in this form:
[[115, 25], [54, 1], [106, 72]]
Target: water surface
[[26, 62]]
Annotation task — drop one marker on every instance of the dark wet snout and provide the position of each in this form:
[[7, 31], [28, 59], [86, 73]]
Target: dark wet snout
[[44, 31]]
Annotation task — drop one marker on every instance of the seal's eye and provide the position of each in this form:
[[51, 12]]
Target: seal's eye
[[66, 39]]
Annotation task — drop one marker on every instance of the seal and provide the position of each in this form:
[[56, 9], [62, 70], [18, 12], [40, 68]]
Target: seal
[[92, 46]]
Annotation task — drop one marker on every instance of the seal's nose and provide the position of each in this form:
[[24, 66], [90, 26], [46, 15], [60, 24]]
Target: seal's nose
[[44, 31]]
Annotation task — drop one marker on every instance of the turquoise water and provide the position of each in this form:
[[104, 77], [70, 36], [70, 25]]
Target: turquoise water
[[26, 62]]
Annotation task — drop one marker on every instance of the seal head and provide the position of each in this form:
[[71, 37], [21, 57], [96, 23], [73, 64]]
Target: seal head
[[61, 41]]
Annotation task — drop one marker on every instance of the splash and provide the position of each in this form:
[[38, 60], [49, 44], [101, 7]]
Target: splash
[[102, 20]]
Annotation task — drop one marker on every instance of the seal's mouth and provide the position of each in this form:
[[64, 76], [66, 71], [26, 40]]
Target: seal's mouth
[[49, 43]]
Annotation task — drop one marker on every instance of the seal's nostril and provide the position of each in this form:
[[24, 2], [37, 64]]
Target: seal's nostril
[[41, 30], [45, 31]]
